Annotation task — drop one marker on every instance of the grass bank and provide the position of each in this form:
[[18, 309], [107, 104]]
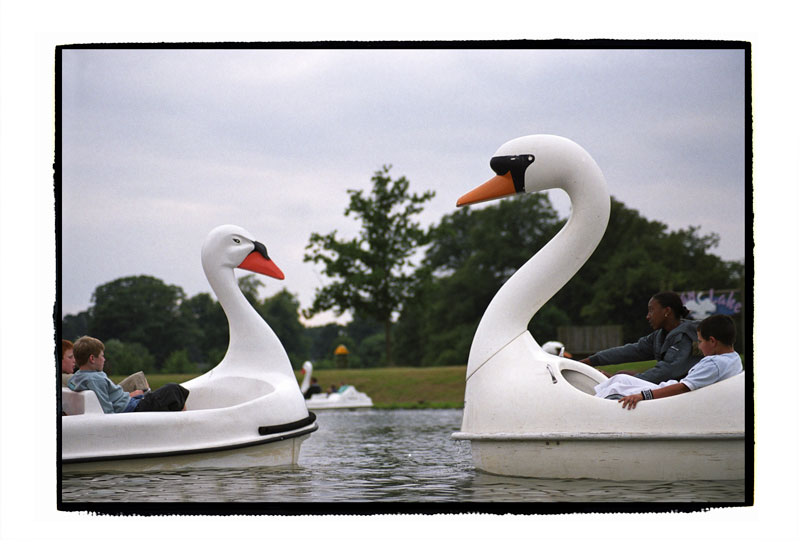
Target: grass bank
[[394, 387], [402, 387]]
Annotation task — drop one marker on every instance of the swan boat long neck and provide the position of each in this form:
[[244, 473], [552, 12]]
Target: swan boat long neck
[[555, 162], [253, 345]]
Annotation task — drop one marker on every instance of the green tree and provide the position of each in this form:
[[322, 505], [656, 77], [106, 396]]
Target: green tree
[[635, 259], [371, 272], [282, 313], [124, 358], [75, 326], [370, 351], [472, 253], [179, 362], [212, 329], [322, 341], [249, 285], [141, 309]]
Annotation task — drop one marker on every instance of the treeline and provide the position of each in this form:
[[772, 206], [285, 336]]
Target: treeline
[[147, 324]]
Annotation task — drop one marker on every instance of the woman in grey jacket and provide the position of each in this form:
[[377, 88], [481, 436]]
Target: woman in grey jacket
[[673, 343]]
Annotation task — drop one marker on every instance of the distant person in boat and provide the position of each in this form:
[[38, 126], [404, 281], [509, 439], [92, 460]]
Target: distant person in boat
[[90, 356], [673, 343], [333, 389], [313, 389], [67, 362], [716, 335]]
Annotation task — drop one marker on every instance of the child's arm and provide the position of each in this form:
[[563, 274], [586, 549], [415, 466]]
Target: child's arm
[[630, 401], [100, 388]]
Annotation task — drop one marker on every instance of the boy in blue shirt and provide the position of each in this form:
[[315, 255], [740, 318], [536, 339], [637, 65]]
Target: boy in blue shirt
[[90, 358]]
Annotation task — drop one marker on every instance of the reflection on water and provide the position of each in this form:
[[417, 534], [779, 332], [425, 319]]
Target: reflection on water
[[381, 456]]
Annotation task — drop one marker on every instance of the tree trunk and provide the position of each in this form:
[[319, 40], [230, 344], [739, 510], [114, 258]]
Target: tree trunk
[[388, 331]]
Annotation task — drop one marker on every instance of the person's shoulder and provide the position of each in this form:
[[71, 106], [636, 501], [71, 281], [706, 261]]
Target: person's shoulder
[[722, 357], [730, 358], [687, 326], [684, 330]]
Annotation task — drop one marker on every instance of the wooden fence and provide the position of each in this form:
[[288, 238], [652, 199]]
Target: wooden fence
[[584, 341]]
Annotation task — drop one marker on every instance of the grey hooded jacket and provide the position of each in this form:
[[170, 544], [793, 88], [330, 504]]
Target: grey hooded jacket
[[676, 353]]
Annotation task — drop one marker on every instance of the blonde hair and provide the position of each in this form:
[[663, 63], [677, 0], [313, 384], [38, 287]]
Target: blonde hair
[[85, 347]]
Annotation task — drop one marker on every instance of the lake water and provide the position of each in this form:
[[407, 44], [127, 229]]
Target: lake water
[[382, 457]]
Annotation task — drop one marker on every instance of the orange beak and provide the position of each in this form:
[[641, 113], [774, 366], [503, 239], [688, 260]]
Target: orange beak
[[259, 264], [497, 187]]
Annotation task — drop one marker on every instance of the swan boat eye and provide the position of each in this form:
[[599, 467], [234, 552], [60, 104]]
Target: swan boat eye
[[237, 241], [516, 164]]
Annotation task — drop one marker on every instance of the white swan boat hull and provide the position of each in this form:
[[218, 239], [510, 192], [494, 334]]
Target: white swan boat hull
[[277, 452], [349, 398], [552, 426], [240, 434]]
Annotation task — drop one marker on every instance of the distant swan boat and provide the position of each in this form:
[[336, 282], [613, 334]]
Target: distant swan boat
[[348, 397]]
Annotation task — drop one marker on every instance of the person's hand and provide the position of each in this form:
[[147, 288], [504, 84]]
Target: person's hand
[[137, 392], [630, 401]]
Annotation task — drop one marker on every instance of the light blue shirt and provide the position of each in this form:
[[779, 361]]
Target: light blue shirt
[[113, 398], [712, 369]]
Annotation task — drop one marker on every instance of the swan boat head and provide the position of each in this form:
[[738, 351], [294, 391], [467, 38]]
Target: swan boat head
[[554, 347], [253, 350], [531, 164]]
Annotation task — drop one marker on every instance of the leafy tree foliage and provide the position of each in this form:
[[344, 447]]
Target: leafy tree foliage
[[124, 358], [140, 309], [152, 325], [179, 362], [370, 271], [282, 312], [212, 329], [635, 259], [472, 253], [322, 341], [75, 326]]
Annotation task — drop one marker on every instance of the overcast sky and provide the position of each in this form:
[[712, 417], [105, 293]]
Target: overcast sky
[[159, 146]]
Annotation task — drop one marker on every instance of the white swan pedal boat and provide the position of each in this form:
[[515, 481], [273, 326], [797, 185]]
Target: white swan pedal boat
[[247, 411], [348, 398], [532, 414]]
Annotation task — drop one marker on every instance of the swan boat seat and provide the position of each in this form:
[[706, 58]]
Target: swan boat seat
[[74, 403]]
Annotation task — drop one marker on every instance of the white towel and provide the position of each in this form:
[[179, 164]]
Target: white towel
[[625, 385]]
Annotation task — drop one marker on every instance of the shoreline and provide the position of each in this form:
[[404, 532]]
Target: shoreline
[[413, 388]]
